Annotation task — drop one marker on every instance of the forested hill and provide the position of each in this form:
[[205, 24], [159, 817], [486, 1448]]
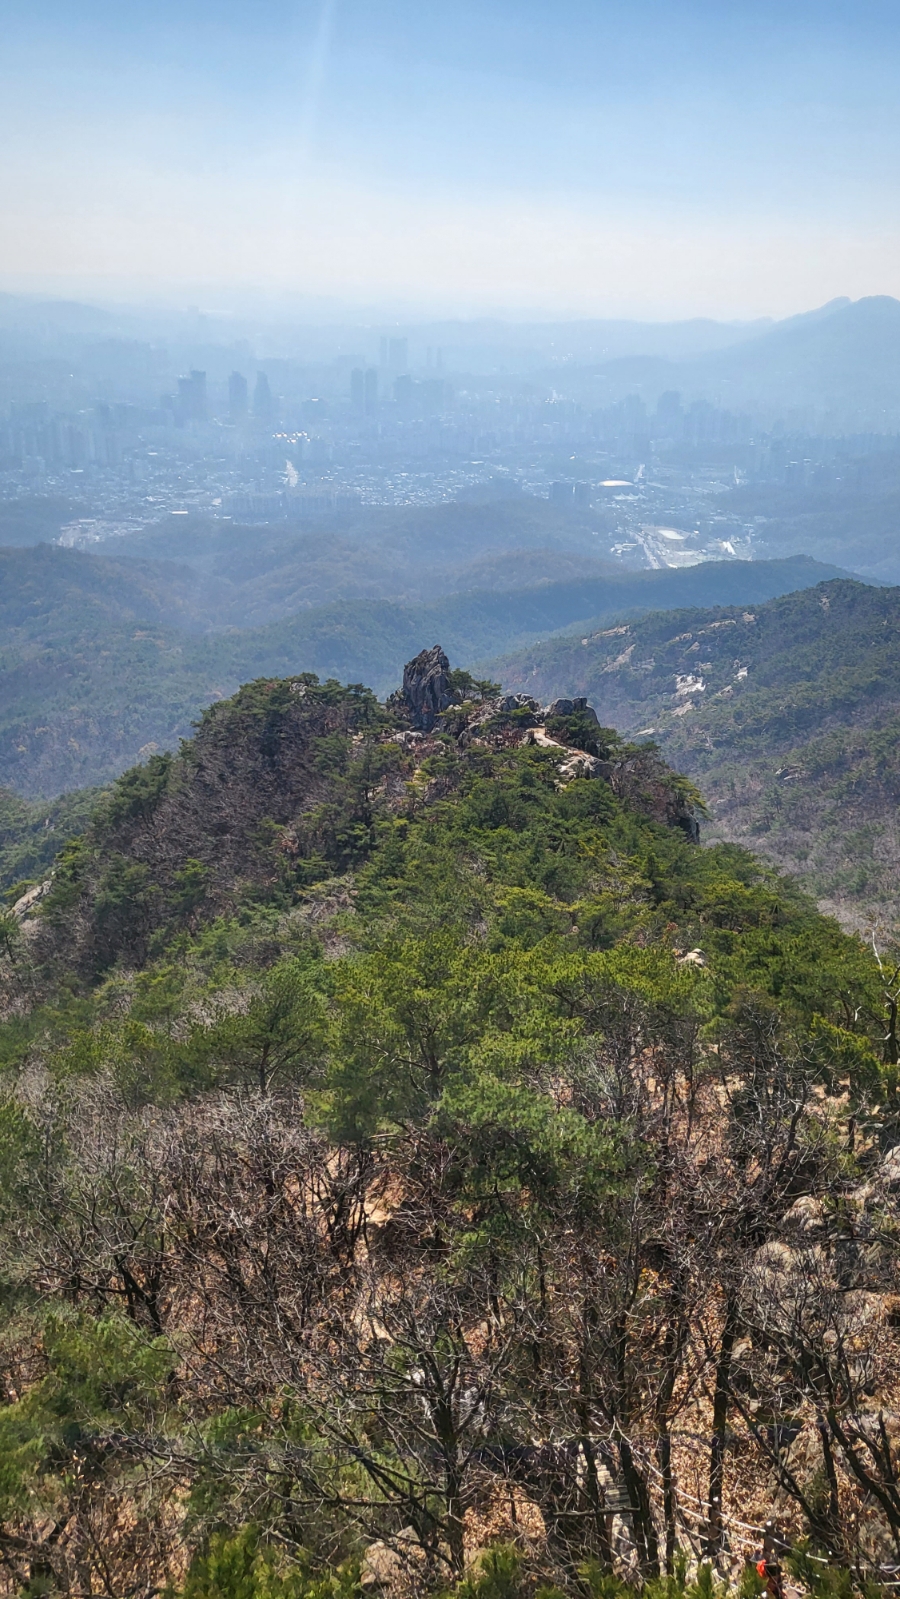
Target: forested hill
[[787, 715], [103, 661], [423, 1169]]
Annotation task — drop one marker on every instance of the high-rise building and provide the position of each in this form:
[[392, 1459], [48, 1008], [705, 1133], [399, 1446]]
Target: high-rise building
[[263, 407], [371, 391], [192, 398], [404, 393], [398, 355], [237, 397], [669, 422], [358, 389]]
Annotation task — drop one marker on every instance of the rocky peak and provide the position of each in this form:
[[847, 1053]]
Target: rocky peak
[[639, 777], [426, 688]]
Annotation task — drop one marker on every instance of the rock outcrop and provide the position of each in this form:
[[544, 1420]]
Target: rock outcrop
[[426, 690], [637, 776], [577, 707]]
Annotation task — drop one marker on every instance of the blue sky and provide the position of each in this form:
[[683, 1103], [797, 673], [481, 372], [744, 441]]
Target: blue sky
[[548, 158]]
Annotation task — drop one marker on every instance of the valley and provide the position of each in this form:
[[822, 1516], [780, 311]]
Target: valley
[[105, 661], [449, 1001]]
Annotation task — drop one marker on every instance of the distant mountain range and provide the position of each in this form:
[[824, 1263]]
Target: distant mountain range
[[841, 357], [842, 360], [786, 714], [477, 344]]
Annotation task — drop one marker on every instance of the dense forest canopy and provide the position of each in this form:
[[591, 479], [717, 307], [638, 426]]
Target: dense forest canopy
[[107, 659], [423, 1168], [787, 714]]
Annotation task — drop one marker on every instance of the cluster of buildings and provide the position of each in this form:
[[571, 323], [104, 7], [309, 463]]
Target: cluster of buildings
[[278, 440]]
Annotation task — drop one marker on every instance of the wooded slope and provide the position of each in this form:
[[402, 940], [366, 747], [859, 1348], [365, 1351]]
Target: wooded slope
[[412, 1148], [787, 716]]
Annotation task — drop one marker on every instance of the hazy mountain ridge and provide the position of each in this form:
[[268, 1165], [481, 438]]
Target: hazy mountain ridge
[[91, 677], [841, 360], [855, 525], [787, 716]]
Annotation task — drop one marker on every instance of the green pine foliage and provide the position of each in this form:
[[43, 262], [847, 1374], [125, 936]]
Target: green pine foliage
[[106, 660], [334, 1076], [786, 714], [32, 834]]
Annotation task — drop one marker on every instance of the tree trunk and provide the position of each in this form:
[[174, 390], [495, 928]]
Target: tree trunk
[[719, 1425]]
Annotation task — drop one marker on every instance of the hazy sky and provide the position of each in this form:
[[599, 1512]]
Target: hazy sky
[[549, 156]]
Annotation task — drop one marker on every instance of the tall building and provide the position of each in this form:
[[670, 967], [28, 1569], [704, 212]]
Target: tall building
[[669, 422], [263, 406], [237, 397], [364, 390], [404, 393], [192, 398], [398, 355]]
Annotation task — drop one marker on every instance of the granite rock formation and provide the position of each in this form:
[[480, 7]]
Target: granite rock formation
[[426, 688], [636, 775], [577, 707]]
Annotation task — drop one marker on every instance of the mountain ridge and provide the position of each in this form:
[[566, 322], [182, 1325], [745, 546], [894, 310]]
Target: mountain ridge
[[361, 1055], [88, 683], [788, 719]]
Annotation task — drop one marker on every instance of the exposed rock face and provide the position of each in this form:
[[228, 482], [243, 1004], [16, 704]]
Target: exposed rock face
[[639, 777], [426, 687], [581, 765], [643, 781], [26, 906], [577, 707], [689, 824], [517, 702]]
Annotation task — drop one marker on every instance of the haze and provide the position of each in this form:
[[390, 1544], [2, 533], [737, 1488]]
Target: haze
[[650, 160]]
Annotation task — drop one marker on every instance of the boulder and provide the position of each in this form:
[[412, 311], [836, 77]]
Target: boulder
[[382, 1568], [890, 1169], [806, 1215], [578, 707], [387, 1567], [582, 765], [516, 702], [426, 688]]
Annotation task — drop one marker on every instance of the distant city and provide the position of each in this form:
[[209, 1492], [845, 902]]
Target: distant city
[[116, 434]]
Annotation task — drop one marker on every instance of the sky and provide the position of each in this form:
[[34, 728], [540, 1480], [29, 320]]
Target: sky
[[453, 157]]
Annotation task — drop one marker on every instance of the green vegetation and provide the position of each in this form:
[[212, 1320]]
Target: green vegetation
[[33, 520], [793, 735], [31, 835], [103, 661], [408, 1161]]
